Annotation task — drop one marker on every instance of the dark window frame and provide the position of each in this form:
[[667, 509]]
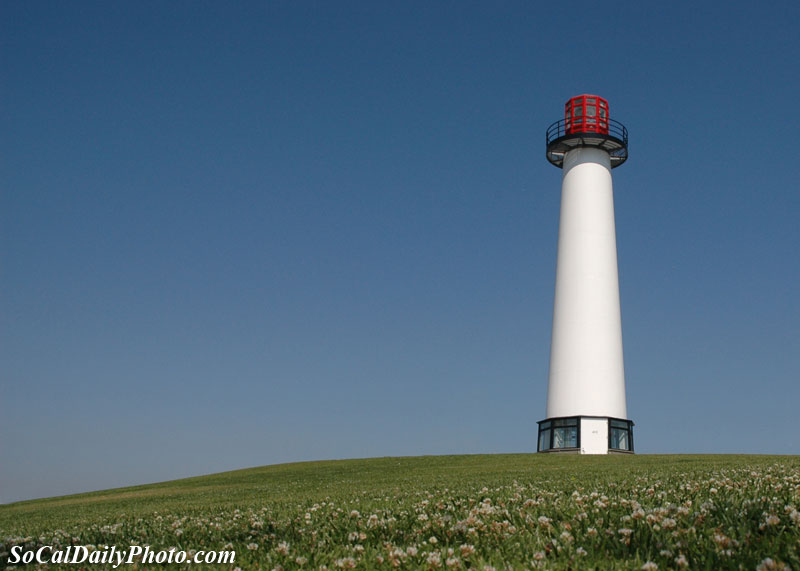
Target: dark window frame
[[560, 422], [628, 428]]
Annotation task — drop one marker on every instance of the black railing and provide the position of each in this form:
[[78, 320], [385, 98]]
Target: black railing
[[559, 130]]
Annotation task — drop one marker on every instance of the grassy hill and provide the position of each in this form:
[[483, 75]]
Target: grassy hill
[[522, 510]]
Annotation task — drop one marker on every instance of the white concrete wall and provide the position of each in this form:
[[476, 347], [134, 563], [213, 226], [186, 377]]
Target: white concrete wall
[[594, 436], [587, 375]]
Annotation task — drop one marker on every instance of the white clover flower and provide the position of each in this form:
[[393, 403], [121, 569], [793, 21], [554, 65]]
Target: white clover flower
[[721, 540], [581, 551], [649, 566], [681, 561], [252, 546], [432, 540], [346, 563], [772, 520], [434, 559], [282, 548]]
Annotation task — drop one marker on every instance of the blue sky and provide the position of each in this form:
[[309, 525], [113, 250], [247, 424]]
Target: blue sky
[[237, 235]]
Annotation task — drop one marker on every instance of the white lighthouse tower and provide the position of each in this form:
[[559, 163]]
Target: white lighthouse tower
[[586, 410]]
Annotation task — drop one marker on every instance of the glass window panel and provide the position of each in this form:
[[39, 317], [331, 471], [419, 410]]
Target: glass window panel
[[619, 424], [590, 100], [619, 439], [544, 440], [558, 438], [578, 111], [565, 437], [591, 111]]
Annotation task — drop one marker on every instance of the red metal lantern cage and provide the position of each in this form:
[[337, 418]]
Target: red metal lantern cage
[[586, 114]]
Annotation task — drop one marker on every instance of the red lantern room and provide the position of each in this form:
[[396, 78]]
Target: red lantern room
[[586, 124], [586, 114]]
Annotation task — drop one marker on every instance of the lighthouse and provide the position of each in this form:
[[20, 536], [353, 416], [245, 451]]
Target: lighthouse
[[586, 409]]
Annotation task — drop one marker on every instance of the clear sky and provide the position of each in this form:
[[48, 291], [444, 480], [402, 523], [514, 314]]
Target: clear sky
[[242, 234]]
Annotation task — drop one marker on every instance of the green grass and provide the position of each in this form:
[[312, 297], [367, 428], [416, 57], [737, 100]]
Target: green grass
[[520, 510]]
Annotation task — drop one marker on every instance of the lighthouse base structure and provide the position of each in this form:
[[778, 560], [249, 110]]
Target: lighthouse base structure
[[586, 435], [586, 408]]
